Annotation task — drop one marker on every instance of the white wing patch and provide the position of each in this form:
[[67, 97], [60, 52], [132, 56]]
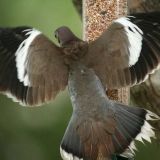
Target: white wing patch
[[21, 55], [68, 156], [14, 99], [135, 36], [146, 134]]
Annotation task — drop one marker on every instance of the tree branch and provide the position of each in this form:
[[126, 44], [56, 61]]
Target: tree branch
[[78, 6]]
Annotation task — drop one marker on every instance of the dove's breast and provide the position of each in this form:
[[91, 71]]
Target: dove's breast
[[86, 91]]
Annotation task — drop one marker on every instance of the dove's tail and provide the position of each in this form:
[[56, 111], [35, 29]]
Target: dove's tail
[[109, 134]]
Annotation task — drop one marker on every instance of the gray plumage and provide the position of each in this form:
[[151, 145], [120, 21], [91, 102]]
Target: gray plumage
[[99, 127]]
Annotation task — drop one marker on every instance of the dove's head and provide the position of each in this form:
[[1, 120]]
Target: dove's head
[[64, 36]]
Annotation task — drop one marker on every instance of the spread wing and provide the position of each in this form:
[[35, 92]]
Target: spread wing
[[128, 51], [31, 66]]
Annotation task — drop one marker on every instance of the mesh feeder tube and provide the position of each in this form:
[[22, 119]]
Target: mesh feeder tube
[[97, 16]]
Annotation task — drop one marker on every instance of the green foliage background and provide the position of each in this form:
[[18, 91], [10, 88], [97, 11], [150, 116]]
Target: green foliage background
[[35, 133]]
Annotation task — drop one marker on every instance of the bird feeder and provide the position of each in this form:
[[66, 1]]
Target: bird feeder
[[97, 16]]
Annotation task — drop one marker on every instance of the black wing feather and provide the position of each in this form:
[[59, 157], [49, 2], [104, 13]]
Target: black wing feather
[[10, 39], [149, 58]]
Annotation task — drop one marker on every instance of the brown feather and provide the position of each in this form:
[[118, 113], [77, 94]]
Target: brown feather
[[46, 68]]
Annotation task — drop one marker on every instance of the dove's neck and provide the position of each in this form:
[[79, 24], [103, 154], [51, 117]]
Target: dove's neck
[[85, 88]]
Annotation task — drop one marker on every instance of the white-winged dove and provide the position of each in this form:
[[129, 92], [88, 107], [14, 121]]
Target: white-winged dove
[[33, 70]]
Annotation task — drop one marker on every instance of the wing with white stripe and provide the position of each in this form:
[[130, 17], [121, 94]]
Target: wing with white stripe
[[31, 66], [127, 51]]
